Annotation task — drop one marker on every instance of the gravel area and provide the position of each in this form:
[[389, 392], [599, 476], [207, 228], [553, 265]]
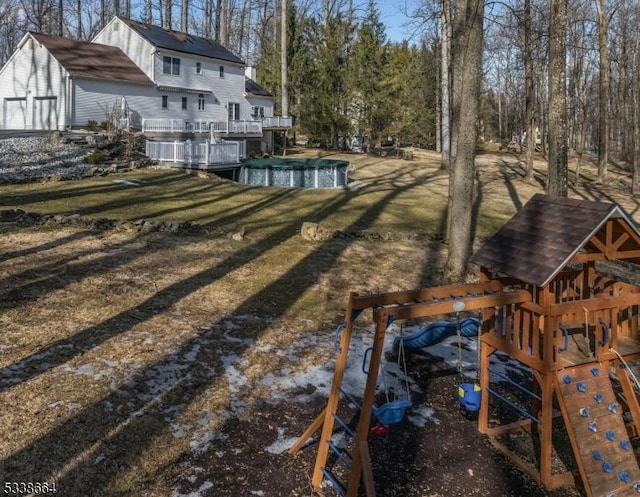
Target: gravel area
[[42, 158]]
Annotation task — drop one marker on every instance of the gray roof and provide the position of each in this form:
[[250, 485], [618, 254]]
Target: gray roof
[[543, 237], [250, 86], [182, 42], [83, 59]]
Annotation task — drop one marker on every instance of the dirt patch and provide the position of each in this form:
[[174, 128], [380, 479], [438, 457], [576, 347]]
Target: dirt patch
[[144, 363]]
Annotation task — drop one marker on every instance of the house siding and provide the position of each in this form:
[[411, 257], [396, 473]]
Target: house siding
[[265, 102], [229, 88], [117, 34], [32, 73], [95, 100]]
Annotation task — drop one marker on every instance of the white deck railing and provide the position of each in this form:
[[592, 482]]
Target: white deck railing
[[207, 153], [276, 122], [201, 126], [245, 127]]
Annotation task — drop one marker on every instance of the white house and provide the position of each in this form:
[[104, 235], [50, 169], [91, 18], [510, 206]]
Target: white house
[[53, 83], [161, 80]]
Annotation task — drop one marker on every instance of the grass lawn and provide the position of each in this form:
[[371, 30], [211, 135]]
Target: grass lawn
[[136, 363]]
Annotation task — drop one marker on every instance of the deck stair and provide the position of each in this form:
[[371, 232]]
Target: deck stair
[[596, 427]]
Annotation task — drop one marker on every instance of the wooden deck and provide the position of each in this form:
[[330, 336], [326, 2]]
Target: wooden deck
[[580, 351]]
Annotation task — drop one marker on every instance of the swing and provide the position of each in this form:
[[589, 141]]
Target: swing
[[394, 409], [469, 394]]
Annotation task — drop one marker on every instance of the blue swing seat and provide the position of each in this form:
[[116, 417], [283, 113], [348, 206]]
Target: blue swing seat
[[392, 412]]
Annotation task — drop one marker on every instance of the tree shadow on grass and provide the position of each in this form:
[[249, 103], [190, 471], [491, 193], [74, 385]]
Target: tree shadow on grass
[[73, 446]]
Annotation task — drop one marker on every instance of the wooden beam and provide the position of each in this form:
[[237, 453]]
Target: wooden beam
[[595, 304], [611, 252], [587, 257], [313, 427], [427, 294], [621, 239], [368, 399], [446, 306], [367, 472], [546, 427], [628, 254]]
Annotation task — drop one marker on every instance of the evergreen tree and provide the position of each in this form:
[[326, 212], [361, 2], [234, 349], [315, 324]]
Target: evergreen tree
[[411, 79], [324, 95], [369, 106]]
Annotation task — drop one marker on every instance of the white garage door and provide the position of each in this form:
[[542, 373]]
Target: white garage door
[[45, 114], [15, 113]]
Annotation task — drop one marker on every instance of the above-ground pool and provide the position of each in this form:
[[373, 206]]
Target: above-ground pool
[[291, 173]]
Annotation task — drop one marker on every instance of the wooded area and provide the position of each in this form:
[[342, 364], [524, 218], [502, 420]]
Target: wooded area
[[346, 79], [560, 76]]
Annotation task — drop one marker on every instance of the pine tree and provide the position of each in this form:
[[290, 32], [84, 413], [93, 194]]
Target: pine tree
[[368, 60]]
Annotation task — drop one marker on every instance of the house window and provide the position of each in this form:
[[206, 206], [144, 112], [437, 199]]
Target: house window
[[198, 67], [221, 71], [171, 65], [234, 111], [165, 102], [184, 103], [200, 101], [257, 111]]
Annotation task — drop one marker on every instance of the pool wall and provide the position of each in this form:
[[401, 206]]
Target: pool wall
[[294, 173]]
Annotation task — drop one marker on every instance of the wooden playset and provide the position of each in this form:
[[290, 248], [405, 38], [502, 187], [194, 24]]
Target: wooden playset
[[545, 301]]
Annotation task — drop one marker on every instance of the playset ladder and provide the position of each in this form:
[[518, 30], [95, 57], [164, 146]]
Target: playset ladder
[[596, 427]]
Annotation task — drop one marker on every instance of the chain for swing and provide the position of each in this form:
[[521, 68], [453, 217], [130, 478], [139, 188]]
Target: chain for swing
[[459, 306]]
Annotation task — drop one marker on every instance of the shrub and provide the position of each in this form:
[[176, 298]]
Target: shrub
[[92, 125], [95, 157]]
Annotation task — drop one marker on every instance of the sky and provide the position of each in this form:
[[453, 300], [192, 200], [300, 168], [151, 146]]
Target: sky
[[391, 14]]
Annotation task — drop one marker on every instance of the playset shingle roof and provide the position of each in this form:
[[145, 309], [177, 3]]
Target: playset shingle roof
[[550, 232]]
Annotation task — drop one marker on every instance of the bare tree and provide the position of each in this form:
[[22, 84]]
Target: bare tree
[[184, 16], [467, 76], [168, 20], [284, 67], [445, 85], [529, 105], [218, 22], [635, 113], [603, 118], [558, 154]]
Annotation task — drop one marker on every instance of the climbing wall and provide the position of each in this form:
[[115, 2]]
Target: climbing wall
[[595, 423]]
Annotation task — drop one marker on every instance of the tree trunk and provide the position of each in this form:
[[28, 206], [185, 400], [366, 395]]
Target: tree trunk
[[149, 12], [467, 77], [218, 22], [558, 158], [529, 103], [103, 13], [184, 16], [79, 15], [445, 84], [635, 91], [60, 18], [284, 67], [603, 118], [168, 7]]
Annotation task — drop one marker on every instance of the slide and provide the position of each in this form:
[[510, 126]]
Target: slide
[[436, 332]]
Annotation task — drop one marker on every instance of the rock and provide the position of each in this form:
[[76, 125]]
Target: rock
[[308, 231], [315, 233]]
